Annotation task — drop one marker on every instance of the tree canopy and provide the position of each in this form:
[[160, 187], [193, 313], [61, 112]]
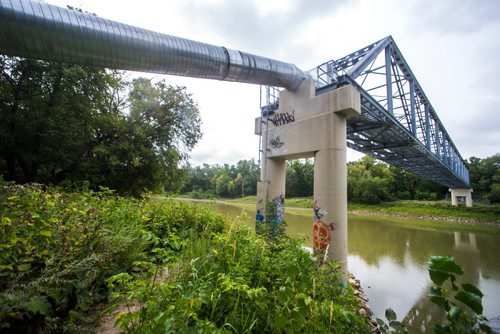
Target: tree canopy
[[70, 125], [485, 177], [222, 180]]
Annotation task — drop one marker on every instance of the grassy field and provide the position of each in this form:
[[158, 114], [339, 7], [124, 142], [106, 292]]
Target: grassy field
[[413, 209]]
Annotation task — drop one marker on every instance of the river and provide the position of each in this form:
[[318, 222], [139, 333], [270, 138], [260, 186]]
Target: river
[[390, 260]]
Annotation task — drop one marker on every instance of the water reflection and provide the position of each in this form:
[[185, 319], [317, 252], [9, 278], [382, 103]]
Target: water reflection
[[391, 262]]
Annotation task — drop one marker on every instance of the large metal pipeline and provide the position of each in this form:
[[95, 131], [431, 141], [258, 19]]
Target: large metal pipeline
[[41, 31]]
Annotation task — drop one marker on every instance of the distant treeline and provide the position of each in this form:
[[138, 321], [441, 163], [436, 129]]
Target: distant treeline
[[368, 181]]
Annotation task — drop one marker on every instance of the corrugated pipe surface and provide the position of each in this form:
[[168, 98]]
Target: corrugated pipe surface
[[41, 31]]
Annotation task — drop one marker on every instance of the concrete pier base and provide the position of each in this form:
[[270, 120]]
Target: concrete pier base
[[305, 126], [455, 193]]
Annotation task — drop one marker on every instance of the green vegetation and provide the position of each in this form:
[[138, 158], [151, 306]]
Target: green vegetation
[[222, 181], [485, 177], [66, 255], [239, 282], [462, 304], [368, 182], [186, 267], [72, 125], [464, 308]]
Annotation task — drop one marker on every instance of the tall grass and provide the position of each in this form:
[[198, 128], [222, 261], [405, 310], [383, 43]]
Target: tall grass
[[235, 281], [187, 269]]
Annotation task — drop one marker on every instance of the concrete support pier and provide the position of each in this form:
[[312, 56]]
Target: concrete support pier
[[455, 193], [305, 126]]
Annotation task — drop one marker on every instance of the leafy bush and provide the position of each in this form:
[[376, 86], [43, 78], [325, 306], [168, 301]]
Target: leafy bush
[[237, 281], [58, 250], [62, 254], [425, 196]]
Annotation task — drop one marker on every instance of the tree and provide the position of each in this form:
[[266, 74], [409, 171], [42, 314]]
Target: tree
[[67, 124], [166, 122], [227, 181], [485, 177], [249, 171], [51, 116], [299, 178], [199, 178], [369, 181]]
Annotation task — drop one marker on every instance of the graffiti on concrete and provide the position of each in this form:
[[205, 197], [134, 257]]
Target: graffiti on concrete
[[321, 231], [282, 118], [318, 213], [280, 208], [259, 217], [276, 142]]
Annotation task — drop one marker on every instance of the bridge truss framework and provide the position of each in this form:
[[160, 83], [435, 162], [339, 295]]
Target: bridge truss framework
[[398, 124]]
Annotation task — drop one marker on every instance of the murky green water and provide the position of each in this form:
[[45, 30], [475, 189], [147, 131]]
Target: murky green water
[[390, 261]]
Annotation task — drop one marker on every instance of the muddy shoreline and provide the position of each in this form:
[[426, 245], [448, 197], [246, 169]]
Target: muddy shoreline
[[464, 221]]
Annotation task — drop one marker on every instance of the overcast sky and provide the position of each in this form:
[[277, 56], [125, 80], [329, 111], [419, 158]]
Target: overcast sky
[[452, 47]]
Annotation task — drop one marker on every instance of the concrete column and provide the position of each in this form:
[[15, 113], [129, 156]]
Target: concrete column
[[330, 190], [275, 183], [276, 174], [467, 193]]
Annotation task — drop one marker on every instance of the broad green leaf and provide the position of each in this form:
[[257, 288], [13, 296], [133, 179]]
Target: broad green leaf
[[472, 289], [454, 312], [24, 267], [390, 314], [439, 329], [6, 221], [38, 304], [46, 233], [437, 296], [396, 325], [280, 322], [383, 326], [471, 300], [442, 268], [6, 267]]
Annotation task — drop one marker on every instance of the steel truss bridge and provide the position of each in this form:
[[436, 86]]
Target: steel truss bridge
[[398, 124]]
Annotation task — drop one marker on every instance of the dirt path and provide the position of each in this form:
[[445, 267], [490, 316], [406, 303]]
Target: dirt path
[[108, 321]]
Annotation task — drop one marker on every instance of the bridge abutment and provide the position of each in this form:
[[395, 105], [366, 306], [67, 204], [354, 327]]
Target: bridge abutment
[[305, 126], [456, 193]]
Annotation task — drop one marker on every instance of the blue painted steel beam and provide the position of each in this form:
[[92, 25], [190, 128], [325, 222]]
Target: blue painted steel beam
[[398, 123], [388, 79]]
